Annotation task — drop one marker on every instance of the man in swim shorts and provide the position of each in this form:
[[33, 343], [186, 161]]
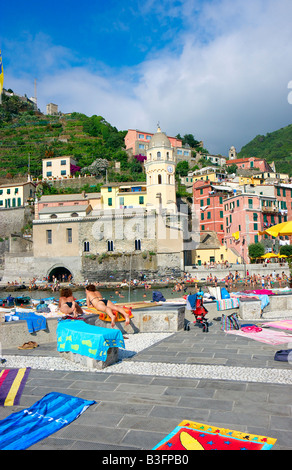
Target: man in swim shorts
[[96, 300]]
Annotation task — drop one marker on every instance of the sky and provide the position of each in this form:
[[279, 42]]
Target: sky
[[218, 69]]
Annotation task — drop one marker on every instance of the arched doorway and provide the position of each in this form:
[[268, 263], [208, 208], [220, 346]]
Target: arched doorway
[[61, 273]]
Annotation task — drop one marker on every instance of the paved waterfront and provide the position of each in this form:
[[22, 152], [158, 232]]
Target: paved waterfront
[[213, 378]]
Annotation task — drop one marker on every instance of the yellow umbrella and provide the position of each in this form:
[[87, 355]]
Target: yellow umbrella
[[282, 256], [285, 228], [269, 255]]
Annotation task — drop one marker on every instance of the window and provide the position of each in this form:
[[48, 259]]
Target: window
[[203, 228], [63, 162], [16, 191], [8, 191], [86, 247], [167, 155], [158, 155], [237, 203], [209, 215], [13, 202], [221, 214], [250, 203], [202, 215], [69, 235], [110, 201], [109, 189], [148, 137], [49, 164], [1, 191], [49, 173], [255, 216], [255, 226], [159, 179], [141, 199], [256, 238], [208, 201], [138, 245], [141, 136], [220, 200], [110, 245], [19, 201], [141, 146], [122, 201], [63, 173], [201, 202], [49, 237], [201, 191]]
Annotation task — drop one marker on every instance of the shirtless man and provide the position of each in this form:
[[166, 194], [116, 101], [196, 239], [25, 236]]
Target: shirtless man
[[67, 303], [95, 299]]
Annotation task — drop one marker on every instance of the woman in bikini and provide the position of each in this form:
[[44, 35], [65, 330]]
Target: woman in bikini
[[95, 299], [67, 303]]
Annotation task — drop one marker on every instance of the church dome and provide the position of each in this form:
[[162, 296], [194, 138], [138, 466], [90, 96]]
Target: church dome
[[159, 139]]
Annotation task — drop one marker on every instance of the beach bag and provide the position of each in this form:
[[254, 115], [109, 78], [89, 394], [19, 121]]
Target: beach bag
[[284, 355], [229, 322]]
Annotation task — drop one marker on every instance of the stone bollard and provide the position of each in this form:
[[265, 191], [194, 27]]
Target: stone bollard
[[250, 310]]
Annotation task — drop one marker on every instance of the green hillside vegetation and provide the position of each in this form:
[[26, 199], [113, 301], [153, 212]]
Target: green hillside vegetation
[[274, 146], [26, 134]]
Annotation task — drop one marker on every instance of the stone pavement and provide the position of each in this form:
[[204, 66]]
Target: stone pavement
[[236, 385]]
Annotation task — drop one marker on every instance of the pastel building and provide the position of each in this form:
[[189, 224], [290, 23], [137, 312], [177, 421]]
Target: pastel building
[[251, 163], [210, 198], [242, 222], [57, 167], [123, 195], [137, 142], [16, 195]]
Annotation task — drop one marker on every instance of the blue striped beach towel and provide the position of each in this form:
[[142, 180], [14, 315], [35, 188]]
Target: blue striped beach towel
[[52, 412]]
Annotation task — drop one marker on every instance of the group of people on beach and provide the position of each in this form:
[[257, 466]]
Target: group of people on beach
[[94, 299]]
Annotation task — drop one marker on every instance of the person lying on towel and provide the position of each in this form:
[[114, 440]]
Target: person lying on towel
[[95, 299], [67, 303]]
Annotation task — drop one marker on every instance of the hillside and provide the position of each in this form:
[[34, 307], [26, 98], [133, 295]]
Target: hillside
[[274, 146], [28, 135]]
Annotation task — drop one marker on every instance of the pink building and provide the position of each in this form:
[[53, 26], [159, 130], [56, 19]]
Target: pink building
[[250, 164], [138, 141], [243, 221], [210, 199]]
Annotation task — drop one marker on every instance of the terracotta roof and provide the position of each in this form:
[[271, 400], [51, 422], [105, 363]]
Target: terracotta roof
[[242, 160]]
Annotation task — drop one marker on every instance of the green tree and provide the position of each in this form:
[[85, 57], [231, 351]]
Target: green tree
[[182, 168], [286, 250], [255, 250]]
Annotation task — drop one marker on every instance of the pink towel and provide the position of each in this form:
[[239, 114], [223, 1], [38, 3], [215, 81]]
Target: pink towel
[[264, 336], [282, 324]]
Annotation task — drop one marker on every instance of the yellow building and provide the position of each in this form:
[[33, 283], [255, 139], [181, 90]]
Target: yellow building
[[212, 174], [123, 195], [160, 171], [16, 195], [211, 251]]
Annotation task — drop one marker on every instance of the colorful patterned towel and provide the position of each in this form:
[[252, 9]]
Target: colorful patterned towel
[[189, 435], [264, 336], [227, 304], [52, 412], [88, 340], [282, 324], [12, 382]]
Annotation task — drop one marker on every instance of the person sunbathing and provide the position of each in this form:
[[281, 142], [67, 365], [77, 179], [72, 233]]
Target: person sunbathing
[[67, 303], [96, 300]]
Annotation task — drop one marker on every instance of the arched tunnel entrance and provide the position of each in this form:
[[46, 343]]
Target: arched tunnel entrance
[[62, 274]]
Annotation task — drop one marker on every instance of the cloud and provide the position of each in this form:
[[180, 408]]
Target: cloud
[[222, 77]]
